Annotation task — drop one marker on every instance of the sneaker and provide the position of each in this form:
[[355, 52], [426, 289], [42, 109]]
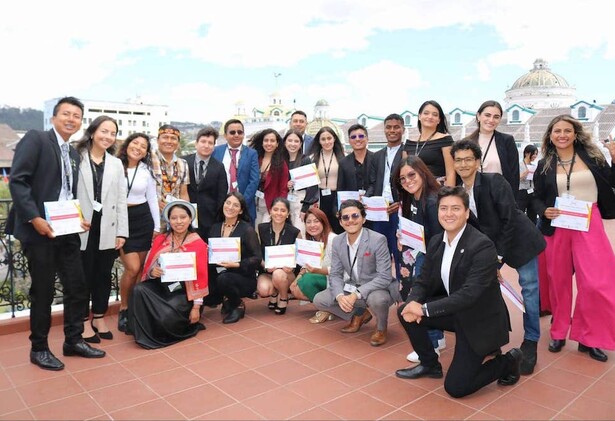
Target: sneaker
[[441, 344], [413, 357]]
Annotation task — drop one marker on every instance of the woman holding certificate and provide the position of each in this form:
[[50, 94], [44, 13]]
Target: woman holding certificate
[[313, 279], [300, 200], [102, 195], [273, 281], [233, 278], [165, 307], [327, 151], [574, 188], [418, 193], [273, 171], [143, 214]]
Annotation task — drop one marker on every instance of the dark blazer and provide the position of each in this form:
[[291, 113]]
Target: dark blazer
[[209, 194], [346, 173], [475, 300], [516, 239], [545, 188], [307, 143], [248, 174], [36, 177], [376, 173], [509, 159]]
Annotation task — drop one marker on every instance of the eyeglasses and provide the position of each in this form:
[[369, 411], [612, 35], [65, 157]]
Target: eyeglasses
[[234, 132], [348, 216], [406, 178], [464, 160], [357, 136]]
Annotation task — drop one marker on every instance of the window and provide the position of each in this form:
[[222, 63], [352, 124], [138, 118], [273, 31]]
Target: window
[[582, 112], [457, 118], [119, 132], [119, 122], [515, 115], [363, 121], [276, 113], [407, 120]]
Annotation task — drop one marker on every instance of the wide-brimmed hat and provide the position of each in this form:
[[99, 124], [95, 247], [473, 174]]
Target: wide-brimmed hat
[[170, 205]]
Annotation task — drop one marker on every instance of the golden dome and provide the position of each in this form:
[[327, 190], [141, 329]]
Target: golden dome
[[540, 76]]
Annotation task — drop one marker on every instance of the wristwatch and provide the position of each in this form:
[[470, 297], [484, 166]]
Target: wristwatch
[[424, 309], [357, 293]]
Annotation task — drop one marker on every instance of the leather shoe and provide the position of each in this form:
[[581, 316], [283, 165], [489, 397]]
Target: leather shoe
[[82, 349], [434, 372], [529, 356], [378, 338], [595, 353], [46, 360], [556, 345], [513, 374], [234, 315], [356, 322], [122, 320]]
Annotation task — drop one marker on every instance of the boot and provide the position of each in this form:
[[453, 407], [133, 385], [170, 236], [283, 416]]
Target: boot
[[529, 357]]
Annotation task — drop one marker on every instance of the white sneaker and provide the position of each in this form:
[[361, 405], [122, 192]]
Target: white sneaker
[[413, 357], [441, 344]]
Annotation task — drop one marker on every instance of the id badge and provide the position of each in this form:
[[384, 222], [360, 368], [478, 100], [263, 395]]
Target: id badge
[[413, 209], [173, 286], [349, 288], [97, 206], [530, 191], [326, 192], [260, 194], [292, 197], [568, 196]]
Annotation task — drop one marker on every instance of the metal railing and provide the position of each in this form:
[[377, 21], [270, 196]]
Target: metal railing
[[15, 278]]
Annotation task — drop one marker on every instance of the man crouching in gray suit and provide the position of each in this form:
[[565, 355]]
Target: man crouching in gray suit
[[360, 280]]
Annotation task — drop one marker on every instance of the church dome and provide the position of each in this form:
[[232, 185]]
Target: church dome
[[540, 76], [322, 103]]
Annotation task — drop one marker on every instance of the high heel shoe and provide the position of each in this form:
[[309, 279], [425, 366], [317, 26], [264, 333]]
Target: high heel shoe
[[272, 304], [104, 335], [281, 310], [235, 314], [94, 339], [595, 353]]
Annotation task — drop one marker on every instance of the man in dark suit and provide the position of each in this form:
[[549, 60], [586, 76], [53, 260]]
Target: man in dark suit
[[45, 169], [517, 240], [240, 163], [382, 166], [208, 185], [353, 171], [298, 121], [458, 291]]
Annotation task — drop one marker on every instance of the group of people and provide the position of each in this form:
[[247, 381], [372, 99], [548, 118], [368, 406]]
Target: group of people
[[467, 197]]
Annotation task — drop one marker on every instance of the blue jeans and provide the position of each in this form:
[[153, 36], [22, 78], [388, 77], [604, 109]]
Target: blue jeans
[[389, 230], [434, 334], [528, 279]]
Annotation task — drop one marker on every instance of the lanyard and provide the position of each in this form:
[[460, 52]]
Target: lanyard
[[417, 151], [530, 181], [272, 234], [131, 181], [322, 156], [486, 151], [96, 181], [173, 249], [568, 173], [353, 262]]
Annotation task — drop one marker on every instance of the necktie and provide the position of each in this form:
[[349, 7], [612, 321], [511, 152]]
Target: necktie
[[201, 165], [67, 169], [233, 169]]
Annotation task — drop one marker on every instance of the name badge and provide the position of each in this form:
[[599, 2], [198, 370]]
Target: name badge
[[530, 191], [413, 209], [97, 206], [260, 194], [568, 196], [292, 197], [349, 288], [174, 286], [326, 192]]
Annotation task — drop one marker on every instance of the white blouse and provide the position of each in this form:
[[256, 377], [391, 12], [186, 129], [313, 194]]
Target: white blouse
[[143, 189]]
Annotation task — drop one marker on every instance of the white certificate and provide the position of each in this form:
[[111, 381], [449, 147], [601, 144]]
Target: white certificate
[[64, 216], [412, 234], [509, 292], [178, 266], [345, 195], [305, 176], [574, 214], [310, 252], [280, 256], [376, 208], [224, 249]]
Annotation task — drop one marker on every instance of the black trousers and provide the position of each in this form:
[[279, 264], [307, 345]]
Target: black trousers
[[467, 372], [524, 202], [234, 286], [97, 266], [60, 255]]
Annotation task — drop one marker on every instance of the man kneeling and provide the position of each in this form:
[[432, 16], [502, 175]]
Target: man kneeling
[[458, 291], [360, 281]]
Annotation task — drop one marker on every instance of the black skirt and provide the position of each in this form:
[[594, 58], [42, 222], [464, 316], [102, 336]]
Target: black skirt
[[140, 229]]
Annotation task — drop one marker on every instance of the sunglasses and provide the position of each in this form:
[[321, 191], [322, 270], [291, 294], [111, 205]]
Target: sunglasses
[[357, 136], [234, 132], [348, 216]]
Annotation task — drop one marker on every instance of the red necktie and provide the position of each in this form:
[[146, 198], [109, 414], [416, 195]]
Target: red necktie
[[233, 169]]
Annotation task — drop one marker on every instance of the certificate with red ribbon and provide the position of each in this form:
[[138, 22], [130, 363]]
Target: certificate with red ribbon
[[309, 252], [376, 208], [178, 266], [224, 249], [280, 256], [305, 176], [574, 214], [412, 234], [64, 216]]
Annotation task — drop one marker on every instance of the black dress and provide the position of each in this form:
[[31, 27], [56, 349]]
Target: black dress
[[431, 153], [288, 236]]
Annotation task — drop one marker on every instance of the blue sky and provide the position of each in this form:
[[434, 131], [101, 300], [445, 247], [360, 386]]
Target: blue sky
[[201, 58]]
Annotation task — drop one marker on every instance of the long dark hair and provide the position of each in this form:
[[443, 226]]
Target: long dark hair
[[184, 207], [442, 125], [491, 103], [326, 226], [277, 159], [85, 143], [122, 154], [430, 184], [244, 215], [338, 149], [297, 161]]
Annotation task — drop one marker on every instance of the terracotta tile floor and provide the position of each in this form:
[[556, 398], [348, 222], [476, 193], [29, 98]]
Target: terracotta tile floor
[[282, 367]]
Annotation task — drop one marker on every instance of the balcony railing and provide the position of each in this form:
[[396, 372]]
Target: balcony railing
[[14, 275]]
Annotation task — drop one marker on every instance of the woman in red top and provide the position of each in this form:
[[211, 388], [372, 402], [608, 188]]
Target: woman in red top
[[273, 171]]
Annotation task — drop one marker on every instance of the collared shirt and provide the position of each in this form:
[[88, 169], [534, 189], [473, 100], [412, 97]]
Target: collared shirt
[[388, 167], [352, 253], [178, 167], [197, 162], [473, 207], [226, 161], [64, 193], [447, 257]]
